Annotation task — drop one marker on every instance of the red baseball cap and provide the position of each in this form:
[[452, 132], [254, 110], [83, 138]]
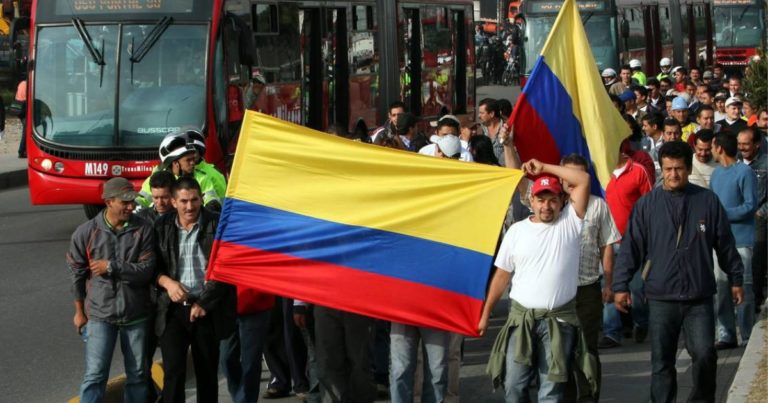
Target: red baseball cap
[[546, 184]]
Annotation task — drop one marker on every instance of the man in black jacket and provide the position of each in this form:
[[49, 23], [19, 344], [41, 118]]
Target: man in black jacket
[[670, 237], [191, 312]]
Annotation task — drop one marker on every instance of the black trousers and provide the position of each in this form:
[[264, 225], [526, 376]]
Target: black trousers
[[285, 351], [343, 342], [180, 335]]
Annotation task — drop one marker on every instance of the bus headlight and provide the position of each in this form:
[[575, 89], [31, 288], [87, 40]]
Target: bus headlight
[[46, 164], [58, 167]]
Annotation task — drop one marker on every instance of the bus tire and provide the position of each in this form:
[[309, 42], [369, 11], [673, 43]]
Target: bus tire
[[92, 209]]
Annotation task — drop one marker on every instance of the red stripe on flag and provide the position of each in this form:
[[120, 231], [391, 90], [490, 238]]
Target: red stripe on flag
[[532, 136], [345, 288]]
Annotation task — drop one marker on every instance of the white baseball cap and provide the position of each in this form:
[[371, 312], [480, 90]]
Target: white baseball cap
[[733, 100]]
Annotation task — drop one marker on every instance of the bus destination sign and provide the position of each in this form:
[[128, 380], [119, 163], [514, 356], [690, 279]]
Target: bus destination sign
[[734, 2], [92, 7], [555, 6]]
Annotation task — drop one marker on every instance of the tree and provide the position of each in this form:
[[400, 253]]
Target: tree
[[756, 81]]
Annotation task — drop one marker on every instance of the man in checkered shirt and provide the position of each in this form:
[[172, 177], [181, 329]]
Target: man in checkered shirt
[[598, 232]]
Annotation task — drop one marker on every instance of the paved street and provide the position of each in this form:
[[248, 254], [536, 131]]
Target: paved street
[[42, 356]]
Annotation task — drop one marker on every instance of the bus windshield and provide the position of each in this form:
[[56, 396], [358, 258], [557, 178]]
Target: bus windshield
[[600, 33], [737, 26], [128, 101]]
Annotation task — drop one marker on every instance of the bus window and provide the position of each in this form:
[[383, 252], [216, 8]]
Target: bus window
[[312, 63], [363, 18], [410, 59], [79, 109], [461, 42], [738, 26], [265, 19], [278, 58], [437, 64], [602, 38], [701, 24], [364, 66], [336, 72], [469, 99], [167, 85], [666, 29]]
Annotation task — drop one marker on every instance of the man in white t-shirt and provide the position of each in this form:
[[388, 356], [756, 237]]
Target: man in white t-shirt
[[703, 163], [446, 126], [543, 253]]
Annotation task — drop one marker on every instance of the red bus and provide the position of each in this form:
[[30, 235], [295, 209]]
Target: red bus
[[739, 31], [342, 63], [110, 78], [679, 30]]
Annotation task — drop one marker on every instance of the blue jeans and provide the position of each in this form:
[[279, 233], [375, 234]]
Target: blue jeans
[[403, 348], [612, 326], [745, 313], [697, 320], [241, 357], [518, 377], [99, 346]]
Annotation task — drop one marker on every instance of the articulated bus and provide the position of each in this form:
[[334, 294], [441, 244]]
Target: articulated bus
[[108, 79], [739, 30], [679, 30], [598, 16], [342, 62]]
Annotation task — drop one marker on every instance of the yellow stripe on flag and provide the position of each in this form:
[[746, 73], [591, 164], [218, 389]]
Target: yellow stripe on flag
[[296, 169], [569, 56]]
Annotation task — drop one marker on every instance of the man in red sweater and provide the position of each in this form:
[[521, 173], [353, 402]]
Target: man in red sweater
[[241, 352], [629, 181]]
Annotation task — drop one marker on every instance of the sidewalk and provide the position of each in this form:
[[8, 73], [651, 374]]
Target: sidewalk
[[13, 170]]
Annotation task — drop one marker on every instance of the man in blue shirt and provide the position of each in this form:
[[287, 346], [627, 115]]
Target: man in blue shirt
[[735, 184]]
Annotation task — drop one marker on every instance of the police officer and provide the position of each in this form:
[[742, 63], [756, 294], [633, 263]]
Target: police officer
[[665, 65], [180, 153], [637, 71]]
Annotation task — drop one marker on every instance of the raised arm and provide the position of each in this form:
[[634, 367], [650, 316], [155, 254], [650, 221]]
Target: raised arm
[[579, 179], [511, 158]]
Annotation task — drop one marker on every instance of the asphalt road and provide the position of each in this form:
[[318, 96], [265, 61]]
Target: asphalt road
[[41, 355], [41, 359]]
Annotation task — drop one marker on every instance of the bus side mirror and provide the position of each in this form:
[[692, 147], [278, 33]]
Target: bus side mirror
[[624, 29]]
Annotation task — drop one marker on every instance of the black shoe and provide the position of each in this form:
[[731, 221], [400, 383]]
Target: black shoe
[[640, 333], [724, 345], [607, 342], [274, 393]]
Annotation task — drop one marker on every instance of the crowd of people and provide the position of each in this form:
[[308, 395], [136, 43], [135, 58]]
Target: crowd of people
[[677, 243]]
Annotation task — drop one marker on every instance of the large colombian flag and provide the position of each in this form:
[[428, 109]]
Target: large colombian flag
[[564, 107], [358, 227]]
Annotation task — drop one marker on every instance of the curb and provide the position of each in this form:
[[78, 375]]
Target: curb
[[750, 361], [12, 179]]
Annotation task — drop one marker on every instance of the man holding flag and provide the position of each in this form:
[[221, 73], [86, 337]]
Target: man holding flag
[[540, 251], [564, 110]]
